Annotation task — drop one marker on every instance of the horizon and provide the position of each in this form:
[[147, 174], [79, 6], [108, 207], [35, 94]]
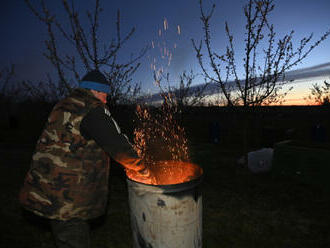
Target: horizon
[[166, 26], [302, 78]]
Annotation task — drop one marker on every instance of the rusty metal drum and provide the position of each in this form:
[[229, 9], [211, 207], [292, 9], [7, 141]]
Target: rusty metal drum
[[166, 216]]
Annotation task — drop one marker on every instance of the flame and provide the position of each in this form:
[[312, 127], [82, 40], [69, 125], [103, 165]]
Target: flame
[[162, 147], [170, 172]]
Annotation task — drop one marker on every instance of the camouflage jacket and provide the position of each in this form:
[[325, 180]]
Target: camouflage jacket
[[68, 177]]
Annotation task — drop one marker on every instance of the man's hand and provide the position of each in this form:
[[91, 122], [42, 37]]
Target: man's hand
[[142, 176], [130, 163], [136, 170]]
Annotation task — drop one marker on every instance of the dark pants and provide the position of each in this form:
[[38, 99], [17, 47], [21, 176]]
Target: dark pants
[[71, 234]]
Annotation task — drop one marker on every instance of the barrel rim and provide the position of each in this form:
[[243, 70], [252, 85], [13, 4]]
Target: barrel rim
[[166, 188]]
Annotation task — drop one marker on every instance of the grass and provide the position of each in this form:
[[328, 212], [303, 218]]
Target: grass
[[240, 209], [247, 210]]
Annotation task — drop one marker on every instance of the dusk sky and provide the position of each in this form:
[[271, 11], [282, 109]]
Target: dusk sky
[[23, 35]]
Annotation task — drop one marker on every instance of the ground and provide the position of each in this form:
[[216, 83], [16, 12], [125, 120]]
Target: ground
[[240, 209]]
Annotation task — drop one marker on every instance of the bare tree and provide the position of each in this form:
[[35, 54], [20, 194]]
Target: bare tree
[[43, 91], [122, 89], [10, 90], [18, 91], [187, 94], [7, 95], [320, 94], [90, 52], [265, 61], [181, 95], [6, 75]]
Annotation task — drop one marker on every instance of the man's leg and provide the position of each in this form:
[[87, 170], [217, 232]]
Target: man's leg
[[71, 234]]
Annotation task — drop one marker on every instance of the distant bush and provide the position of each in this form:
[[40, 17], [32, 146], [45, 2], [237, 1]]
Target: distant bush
[[320, 94]]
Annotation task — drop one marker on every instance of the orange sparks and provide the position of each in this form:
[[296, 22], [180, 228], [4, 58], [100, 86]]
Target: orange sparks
[[165, 23], [165, 51], [161, 144], [169, 59], [161, 134]]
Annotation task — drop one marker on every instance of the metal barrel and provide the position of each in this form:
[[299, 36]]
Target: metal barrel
[[166, 216]]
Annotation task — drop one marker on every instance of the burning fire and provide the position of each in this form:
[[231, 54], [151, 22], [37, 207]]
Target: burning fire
[[159, 140], [174, 172], [168, 172], [161, 144]]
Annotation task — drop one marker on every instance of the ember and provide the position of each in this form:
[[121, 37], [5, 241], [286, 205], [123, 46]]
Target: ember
[[172, 172], [162, 48], [159, 140], [161, 144]]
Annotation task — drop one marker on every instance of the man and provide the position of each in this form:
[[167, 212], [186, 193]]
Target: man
[[68, 179]]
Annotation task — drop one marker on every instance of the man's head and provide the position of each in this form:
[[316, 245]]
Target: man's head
[[97, 83]]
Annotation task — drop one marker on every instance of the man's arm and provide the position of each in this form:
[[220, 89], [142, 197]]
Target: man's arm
[[99, 125]]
